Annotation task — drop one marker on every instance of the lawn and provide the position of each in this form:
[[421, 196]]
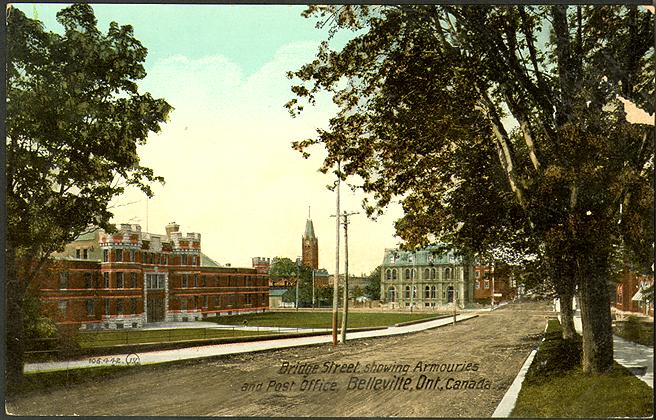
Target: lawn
[[555, 385], [112, 338], [318, 319]]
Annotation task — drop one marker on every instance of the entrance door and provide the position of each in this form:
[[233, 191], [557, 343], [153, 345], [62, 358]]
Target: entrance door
[[155, 311]]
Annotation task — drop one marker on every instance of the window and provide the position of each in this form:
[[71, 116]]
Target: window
[[119, 280], [185, 280], [447, 273], [133, 280], [107, 306], [391, 294], [88, 280], [165, 259], [85, 254], [119, 255], [204, 281], [78, 253], [427, 292], [63, 280], [487, 284], [407, 292], [433, 292], [196, 280], [184, 259], [133, 306], [106, 255], [394, 274], [183, 304], [478, 274], [433, 276], [414, 292], [407, 274], [119, 307], [90, 308], [193, 260], [478, 285], [106, 279], [206, 301], [388, 274], [426, 273], [63, 307]]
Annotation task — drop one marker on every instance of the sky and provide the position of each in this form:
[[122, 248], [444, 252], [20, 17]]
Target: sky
[[231, 174]]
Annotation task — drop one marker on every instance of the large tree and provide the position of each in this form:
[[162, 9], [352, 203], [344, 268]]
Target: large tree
[[74, 120], [498, 126]]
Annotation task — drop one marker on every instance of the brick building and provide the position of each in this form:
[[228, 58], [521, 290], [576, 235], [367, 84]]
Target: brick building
[[130, 278], [629, 290], [494, 278], [425, 278]]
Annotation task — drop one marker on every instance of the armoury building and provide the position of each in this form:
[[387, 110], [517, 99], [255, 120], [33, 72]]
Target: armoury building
[[426, 278], [130, 278]]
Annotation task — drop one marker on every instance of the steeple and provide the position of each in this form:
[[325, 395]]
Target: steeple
[[309, 230], [310, 245]]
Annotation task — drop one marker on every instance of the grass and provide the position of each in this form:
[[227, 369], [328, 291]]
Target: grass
[[318, 319], [112, 338], [555, 385]]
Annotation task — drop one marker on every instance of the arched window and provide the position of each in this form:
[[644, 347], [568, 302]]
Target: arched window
[[413, 273], [433, 293], [427, 292], [432, 274], [414, 292], [394, 274], [388, 274], [391, 294], [407, 292], [447, 274], [426, 273], [407, 274], [449, 292]]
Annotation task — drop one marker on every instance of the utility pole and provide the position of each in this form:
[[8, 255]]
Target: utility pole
[[345, 307], [298, 278], [313, 288], [336, 281]]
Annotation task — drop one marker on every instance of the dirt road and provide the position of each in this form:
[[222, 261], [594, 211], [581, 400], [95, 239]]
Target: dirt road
[[460, 371]]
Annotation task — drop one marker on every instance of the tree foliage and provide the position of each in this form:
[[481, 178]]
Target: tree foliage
[[372, 288], [74, 120], [498, 126]]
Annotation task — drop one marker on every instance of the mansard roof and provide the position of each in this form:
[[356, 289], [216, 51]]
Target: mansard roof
[[431, 255]]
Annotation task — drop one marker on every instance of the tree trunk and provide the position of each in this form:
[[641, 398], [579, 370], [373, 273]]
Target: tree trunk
[[567, 315], [595, 317], [14, 316]]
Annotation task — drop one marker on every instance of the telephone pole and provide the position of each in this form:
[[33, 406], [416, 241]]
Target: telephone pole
[[336, 281], [345, 215]]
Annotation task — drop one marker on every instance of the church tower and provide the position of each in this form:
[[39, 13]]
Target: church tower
[[310, 246]]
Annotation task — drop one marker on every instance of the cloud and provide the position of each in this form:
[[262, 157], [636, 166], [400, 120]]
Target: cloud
[[230, 171]]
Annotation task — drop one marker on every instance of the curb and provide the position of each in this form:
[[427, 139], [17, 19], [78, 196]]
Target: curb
[[509, 399]]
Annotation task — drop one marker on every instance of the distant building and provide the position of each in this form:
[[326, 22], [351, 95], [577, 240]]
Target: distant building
[[353, 282], [310, 246], [262, 265], [629, 296], [425, 279], [494, 278], [130, 278]]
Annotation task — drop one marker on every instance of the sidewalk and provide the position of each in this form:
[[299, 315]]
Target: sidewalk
[[628, 354], [231, 348]]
